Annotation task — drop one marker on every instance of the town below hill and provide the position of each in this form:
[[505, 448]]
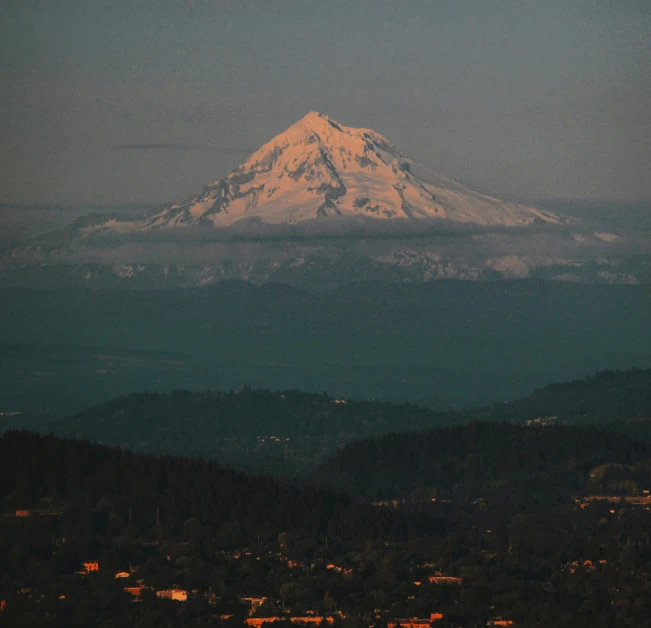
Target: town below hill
[[98, 536]]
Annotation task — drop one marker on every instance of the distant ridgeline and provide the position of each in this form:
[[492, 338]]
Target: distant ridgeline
[[259, 430], [617, 400], [464, 342], [290, 432]]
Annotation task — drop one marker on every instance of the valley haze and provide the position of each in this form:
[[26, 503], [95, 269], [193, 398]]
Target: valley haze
[[326, 261]]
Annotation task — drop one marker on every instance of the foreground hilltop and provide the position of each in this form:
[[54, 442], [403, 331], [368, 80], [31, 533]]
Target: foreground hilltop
[[498, 462], [319, 168]]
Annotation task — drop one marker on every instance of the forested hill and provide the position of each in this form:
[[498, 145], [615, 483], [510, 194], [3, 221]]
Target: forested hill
[[490, 461], [607, 397], [287, 433], [256, 430], [85, 528], [165, 497]]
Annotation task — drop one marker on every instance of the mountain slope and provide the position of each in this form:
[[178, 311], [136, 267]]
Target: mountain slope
[[148, 491], [319, 168]]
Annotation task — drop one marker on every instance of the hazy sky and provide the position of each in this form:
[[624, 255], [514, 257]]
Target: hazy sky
[[145, 101]]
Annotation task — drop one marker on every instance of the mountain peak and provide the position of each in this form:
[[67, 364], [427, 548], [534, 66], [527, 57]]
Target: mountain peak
[[312, 122], [314, 119], [320, 122], [318, 168], [319, 129]]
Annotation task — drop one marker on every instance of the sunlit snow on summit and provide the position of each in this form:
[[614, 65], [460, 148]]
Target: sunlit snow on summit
[[318, 168]]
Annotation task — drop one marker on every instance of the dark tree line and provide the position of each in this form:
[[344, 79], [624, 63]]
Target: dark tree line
[[155, 496], [487, 460]]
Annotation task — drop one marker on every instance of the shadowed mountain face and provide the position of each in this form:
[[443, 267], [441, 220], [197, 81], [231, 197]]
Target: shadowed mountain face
[[257, 430]]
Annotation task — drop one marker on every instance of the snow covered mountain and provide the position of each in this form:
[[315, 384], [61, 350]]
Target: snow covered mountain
[[318, 168], [324, 205]]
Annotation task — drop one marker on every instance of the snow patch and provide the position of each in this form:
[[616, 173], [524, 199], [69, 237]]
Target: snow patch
[[606, 237], [510, 266]]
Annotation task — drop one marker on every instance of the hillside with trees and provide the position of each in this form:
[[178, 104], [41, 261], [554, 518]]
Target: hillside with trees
[[289, 433], [495, 462], [93, 536], [602, 399], [256, 430], [156, 496]]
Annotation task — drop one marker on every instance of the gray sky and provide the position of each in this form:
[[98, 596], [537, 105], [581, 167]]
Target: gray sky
[[145, 101]]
